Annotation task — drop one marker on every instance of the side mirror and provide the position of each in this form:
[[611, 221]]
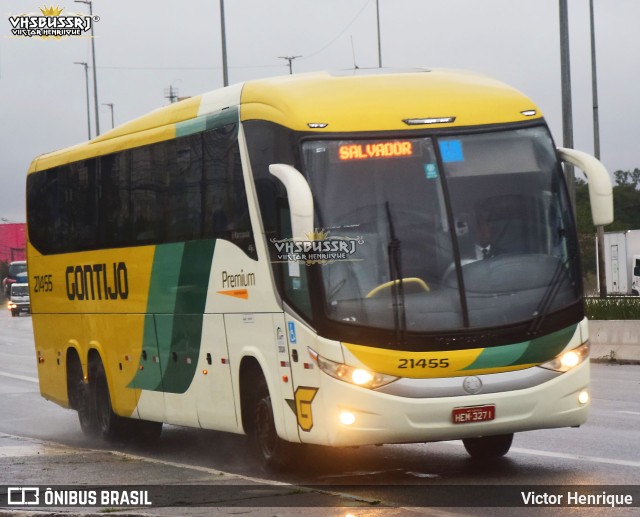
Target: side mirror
[[600, 189], [300, 199]]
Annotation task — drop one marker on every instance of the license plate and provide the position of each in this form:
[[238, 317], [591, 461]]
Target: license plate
[[467, 415]]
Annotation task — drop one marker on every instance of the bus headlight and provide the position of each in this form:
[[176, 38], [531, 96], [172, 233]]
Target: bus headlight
[[569, 359], [350, 374]]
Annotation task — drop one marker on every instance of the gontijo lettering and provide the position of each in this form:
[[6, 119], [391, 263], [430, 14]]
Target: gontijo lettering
[[393, 149], [97, 282]]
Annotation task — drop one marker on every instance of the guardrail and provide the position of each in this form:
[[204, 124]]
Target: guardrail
[[615, 340]]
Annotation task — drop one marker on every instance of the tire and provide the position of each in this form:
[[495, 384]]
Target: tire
[[14, 313], [272, 452], [113, 427], [487, 447], [110, 425], [80, 398]]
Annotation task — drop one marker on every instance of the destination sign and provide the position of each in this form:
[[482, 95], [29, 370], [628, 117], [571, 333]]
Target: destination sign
[[375, 150]]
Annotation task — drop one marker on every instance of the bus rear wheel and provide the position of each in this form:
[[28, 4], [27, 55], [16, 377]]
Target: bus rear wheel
[[113, 427], [109, 423], [80, 397], [487, 447]]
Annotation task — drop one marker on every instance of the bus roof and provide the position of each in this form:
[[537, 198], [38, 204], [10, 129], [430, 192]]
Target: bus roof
[[355, 100]]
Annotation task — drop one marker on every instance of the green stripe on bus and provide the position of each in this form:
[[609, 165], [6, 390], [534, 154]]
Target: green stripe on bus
[[536, 351], [230, 115], [186, 329], [173, 325]]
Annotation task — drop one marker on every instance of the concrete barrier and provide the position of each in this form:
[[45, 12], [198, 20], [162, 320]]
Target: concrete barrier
[[615, 340]]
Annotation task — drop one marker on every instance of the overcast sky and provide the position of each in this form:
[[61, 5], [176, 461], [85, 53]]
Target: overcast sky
[[145, 46]]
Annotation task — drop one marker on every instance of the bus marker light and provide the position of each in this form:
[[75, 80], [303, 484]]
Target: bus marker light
[[583, 397], [428, 120], [285, 378], [347, 418], [529, 113], [141, 367], [205, 372]]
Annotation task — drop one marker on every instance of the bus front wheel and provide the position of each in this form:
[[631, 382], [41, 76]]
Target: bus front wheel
[[487, 447], [273, 452]]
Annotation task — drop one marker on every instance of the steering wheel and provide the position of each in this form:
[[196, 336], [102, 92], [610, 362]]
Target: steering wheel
[[413, 280]]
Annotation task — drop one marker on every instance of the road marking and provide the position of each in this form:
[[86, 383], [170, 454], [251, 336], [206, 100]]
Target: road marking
[[630, 412], [565, 456], [19, 377], [20, 451], [579, 457]]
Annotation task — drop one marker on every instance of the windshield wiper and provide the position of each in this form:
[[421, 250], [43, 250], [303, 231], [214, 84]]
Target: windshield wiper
[[549, 296], [394, 250]]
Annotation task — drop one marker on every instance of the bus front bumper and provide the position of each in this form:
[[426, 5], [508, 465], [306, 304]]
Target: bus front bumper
[[348, 415]]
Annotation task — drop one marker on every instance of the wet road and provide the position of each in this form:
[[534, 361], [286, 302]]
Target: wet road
[[605, 451]]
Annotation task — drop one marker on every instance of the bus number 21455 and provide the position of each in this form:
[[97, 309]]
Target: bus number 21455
[[424, 363]]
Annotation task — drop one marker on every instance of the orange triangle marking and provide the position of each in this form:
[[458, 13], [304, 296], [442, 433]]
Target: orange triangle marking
[[236, 293]]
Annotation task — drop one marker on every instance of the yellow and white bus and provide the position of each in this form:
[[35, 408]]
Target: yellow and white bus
[[296, 259]]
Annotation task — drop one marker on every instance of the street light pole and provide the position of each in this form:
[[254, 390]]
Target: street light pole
[[567, 112], [86, 77], [602, 274], [379, 43], [93, 58], [225, 72], [110, 104]]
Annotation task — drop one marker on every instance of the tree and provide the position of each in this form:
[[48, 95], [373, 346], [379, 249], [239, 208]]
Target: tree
[[626, 215]]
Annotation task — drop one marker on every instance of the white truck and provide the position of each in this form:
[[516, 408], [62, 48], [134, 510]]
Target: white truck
[[622, 262], [19, 299]]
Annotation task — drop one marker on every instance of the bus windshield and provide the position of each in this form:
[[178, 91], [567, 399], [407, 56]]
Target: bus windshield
[[461, 231]]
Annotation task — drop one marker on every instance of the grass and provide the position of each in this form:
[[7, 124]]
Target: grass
[[613, 308]]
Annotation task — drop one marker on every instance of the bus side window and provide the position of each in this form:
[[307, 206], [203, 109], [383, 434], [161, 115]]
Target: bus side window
[[114, 200], [147, 196], [184, 220], [226, 210]]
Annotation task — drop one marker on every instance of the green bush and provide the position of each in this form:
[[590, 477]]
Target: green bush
[[613, 308]]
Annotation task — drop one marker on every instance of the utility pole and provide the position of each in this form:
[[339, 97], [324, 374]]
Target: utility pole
[[290, 59], [110, 104], [86, 77], [93, 56], [171, 93], [225, 72]]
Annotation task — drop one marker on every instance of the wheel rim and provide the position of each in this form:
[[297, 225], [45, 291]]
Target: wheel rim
[[266, 436]]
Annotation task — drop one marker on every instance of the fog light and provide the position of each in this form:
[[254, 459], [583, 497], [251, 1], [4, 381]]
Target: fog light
[[583, 397], [347, 418]]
